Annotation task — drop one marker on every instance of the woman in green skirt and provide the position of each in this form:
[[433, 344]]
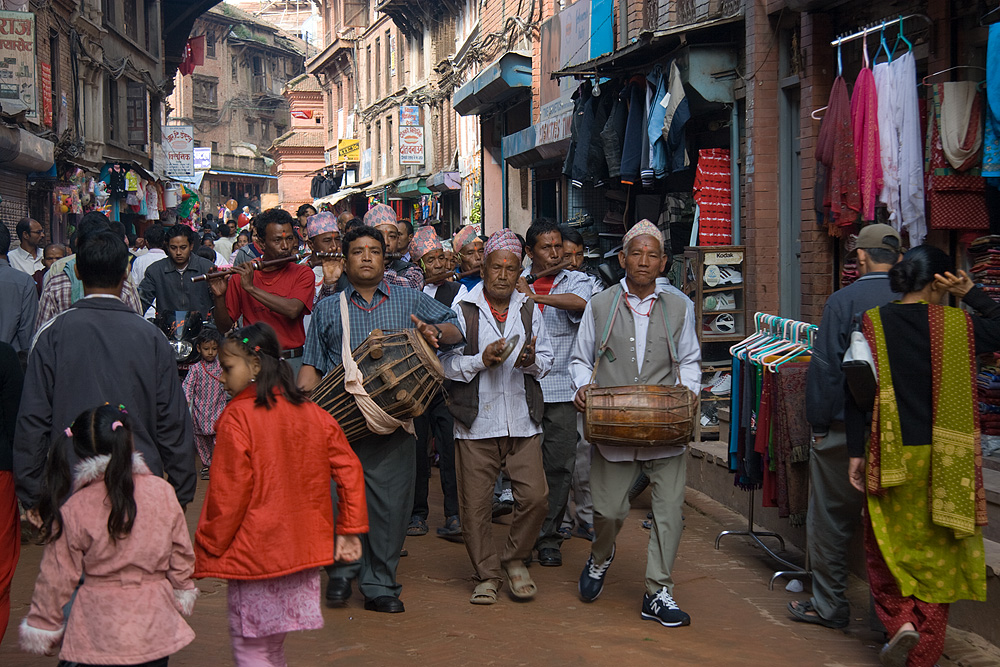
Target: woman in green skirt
[[923, 479]]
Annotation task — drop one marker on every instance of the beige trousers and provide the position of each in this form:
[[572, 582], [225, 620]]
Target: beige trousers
[[609, 487]]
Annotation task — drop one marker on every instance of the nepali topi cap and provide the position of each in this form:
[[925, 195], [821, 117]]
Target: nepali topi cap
[[321, 223], [464, 237], [642, 228], [424, 240], [380, 214], [504, 239]]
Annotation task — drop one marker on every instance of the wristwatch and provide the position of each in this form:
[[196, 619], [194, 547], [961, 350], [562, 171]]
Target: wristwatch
[[440, 334]]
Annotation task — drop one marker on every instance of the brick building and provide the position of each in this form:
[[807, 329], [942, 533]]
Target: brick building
[[235, 103], [298, 154], [92, 92]]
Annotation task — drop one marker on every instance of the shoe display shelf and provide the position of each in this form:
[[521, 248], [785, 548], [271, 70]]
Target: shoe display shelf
[[714, 281]]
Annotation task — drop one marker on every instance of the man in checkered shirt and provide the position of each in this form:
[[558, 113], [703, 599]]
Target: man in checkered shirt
[[562, 298]]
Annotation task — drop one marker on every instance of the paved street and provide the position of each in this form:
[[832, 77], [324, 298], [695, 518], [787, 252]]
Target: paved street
[[736, 620]]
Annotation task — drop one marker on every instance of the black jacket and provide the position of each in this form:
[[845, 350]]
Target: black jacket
[[174, 291], [11, 382], [825, 383], [100, 351]]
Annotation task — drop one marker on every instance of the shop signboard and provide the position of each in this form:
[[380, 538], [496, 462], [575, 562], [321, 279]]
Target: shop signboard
[[202, 159], [409, 116], [18, 83], [348, 150], [411, 145], [178, 144]]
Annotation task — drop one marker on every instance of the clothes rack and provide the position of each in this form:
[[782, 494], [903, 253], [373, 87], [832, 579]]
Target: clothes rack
[[878, 25], [790, 338]]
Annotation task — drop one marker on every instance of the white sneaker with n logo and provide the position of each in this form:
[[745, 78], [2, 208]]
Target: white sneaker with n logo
[[662, 608]]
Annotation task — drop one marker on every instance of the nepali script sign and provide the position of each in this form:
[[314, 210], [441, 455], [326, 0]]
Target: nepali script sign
[[178, 144], [18, 84], [411, 145]]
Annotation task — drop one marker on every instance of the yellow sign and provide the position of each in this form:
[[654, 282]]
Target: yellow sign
[[348, 150]]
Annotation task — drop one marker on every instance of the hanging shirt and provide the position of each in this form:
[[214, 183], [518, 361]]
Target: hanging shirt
[[889, 139], [864, 121], [910, 165]]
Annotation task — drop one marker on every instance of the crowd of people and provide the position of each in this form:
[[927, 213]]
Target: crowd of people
[[102, 431]]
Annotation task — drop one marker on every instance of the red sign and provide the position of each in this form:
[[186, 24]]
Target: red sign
[[46, 71], [303, 115]]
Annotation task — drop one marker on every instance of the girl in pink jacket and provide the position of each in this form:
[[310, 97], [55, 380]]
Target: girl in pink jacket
[[124, 532]]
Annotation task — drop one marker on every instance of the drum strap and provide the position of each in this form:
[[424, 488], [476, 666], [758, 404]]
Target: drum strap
[[611, 321], [378, 421]]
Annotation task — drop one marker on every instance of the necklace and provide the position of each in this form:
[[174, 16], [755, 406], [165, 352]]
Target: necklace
[[648, 310], [500, 317], [385, 297]]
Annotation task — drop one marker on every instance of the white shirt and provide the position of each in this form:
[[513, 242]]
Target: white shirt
[[22, 260], [503, 410], [432, 290], [224, 246], [142, 262], [688, 360]]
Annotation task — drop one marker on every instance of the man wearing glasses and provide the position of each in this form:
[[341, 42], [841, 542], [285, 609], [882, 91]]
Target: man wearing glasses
[[28, 258]]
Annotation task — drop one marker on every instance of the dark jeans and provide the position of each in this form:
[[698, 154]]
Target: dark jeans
[[436, 421]]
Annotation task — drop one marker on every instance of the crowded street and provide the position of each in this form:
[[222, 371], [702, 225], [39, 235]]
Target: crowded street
[[465, 332], [740, 621]]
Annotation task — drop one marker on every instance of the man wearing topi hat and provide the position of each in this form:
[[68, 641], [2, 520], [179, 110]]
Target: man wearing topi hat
[[498, 407], [383, 218], [637, 333]]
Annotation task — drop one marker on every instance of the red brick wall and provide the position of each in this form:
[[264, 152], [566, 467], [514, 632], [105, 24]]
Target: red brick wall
[[761, 231]]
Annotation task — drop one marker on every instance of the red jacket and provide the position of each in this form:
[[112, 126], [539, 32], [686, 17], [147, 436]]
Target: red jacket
[[268, 511]]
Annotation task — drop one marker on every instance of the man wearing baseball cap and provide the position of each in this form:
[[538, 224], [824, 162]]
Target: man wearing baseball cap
[[834, 505]]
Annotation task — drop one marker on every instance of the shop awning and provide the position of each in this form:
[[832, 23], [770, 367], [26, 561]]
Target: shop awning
[[381, 186], [542, 141], [507, 76], [246, 174], [443, 181], [337, 196], [412, 187], [651, 47]]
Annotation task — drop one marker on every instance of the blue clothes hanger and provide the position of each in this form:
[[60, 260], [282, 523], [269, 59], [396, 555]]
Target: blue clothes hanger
[[882, 47], [901, 36]]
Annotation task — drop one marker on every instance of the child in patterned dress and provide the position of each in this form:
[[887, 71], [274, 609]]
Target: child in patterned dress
[[267, 522], [206, 395]]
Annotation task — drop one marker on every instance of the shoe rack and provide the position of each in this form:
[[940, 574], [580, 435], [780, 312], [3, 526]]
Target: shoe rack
[[720, 317]]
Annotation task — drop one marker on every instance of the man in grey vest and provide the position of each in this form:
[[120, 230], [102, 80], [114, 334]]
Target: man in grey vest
[[648, 337], [497, 404]]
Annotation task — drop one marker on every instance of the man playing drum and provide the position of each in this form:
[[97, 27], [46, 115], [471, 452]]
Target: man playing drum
[[648, 337], [388, 460], [498, 406]]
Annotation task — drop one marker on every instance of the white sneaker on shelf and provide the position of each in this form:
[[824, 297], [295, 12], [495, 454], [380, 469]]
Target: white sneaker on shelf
[[720, 301], [723, 323], [729, 276], [705, 386], [723, 385]]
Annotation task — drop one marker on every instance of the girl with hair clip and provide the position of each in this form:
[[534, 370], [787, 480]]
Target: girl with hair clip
[[267, 522], [120, 528]]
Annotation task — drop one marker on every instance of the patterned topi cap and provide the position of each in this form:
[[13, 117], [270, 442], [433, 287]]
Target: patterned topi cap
[[642, 228], [380, 214], [504, 239], [424, 240], [321, 223]]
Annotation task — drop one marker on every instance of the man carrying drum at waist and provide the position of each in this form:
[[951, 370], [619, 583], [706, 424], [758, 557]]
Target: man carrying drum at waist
[[388, 460], [650, 328]]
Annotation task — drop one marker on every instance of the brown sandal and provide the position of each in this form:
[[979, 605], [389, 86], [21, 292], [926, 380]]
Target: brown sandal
[[521, 584], [485, 593]]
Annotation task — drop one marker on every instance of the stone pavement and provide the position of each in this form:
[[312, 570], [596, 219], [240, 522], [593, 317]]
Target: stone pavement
[[736, 620]]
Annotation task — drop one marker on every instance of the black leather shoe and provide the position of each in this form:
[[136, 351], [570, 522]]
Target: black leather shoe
[[338, 591], [549, 557], [387, 604]]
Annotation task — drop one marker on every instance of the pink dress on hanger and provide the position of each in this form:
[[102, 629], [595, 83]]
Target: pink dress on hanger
[[864, 120]]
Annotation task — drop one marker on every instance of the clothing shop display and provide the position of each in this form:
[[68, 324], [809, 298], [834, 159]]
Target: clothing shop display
[[864, 123], [835, 151], [713, 195], [955, 197]]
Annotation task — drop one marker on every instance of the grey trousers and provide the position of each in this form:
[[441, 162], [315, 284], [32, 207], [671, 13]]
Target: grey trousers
[[558, 456], [477, 463], [834, 515], [610, 483], [389, 463]]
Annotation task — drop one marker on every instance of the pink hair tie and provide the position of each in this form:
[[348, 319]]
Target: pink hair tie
[[68, 432], [116, 425]]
